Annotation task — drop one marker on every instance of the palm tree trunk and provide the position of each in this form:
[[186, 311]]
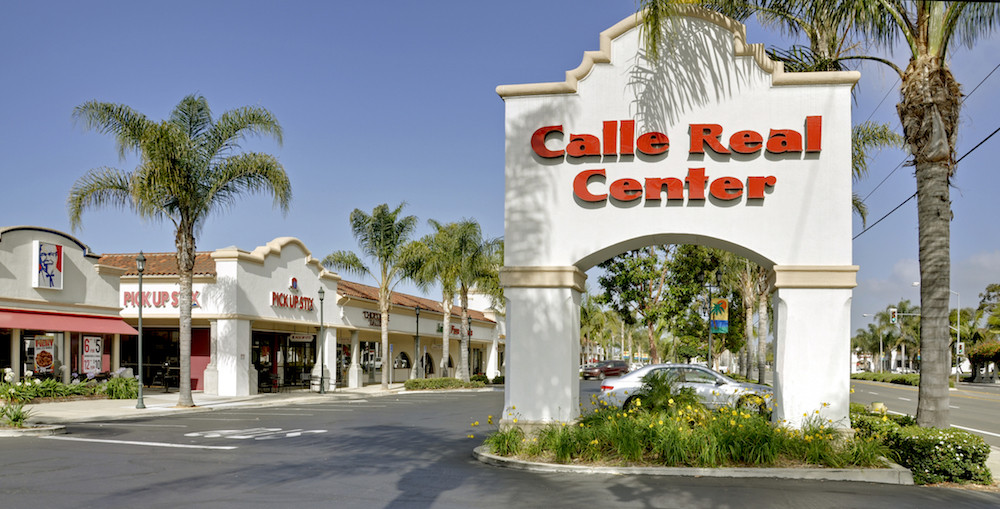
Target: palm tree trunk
[[386, 361], [445, 336], [654, 356], [929, 114], [463, 369], [184, 240], [761, 337]]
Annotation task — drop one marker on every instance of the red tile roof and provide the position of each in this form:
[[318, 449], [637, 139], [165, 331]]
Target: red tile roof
[[360, 291], [159, 264]]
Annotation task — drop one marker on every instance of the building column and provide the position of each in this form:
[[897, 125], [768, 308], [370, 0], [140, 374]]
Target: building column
[[326, 344], [15, 354], [543, 344], [812, 333], [493, 358], [212, 370], [354, 373], [116, 352], [233, 357], [66, 357]]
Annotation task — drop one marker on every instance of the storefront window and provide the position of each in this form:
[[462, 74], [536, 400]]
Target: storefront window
[[401, 361], [6, 335]]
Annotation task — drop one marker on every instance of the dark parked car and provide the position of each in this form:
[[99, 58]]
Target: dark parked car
[[605, 369]]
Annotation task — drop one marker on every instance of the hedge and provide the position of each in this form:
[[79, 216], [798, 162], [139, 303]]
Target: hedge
[[424, 384], [932, 455]]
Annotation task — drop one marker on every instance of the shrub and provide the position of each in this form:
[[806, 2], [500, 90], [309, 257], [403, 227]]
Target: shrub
[[423, 384], [29, 388], [479, 378], [892, 378], [497, 380], [941, 455], [505, 442], [932, 455], [14, 414], [121, 388]]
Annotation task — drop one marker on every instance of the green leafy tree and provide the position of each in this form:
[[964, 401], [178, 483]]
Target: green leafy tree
[[477, 267], [384, 237], [188, 169], [929, 111], [439, 264]]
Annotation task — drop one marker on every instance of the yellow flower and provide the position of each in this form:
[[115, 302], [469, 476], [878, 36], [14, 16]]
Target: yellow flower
[[512, 407], [472, 436], [826, 404], [489, 419], [852, 390], [732, 422], [515, 420], [661, 422]]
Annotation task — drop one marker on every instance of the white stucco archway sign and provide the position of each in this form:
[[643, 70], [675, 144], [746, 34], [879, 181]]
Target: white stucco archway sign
[[711, 144]]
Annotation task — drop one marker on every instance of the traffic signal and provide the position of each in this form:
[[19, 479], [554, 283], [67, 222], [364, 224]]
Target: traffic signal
[[892, 315]]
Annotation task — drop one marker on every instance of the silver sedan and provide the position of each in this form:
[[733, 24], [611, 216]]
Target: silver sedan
[[714, 389]]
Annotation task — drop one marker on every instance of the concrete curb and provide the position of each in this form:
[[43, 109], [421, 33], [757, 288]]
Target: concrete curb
[[895, 474], [33, 431]]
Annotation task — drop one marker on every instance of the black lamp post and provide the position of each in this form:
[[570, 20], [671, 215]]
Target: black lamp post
[[322, 368], [468, 334], [140, 265], [419, 359]]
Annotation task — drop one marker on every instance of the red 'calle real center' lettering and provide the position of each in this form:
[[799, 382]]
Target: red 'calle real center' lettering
[[618, 139], [723, 188]]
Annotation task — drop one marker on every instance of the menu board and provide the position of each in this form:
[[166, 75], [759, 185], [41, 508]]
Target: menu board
[[93, 347]]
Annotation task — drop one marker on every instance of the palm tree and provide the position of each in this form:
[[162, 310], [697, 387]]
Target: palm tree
[[382, 236], [929, 112], [439, 264], [593, 324], [187, 170], [477, 264]]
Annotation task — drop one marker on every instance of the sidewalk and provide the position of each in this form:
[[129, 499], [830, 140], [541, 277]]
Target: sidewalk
[[160, 403]]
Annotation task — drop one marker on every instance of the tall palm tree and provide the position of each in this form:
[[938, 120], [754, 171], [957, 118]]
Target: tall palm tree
[[477, 264], [439, 264], [384, 237], [930, 102], [187, 170]]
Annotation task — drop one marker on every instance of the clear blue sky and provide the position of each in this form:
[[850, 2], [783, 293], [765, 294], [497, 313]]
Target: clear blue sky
[[390, 102]]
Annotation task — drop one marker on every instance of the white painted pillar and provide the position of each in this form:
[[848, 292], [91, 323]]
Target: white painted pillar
[[326, 344], [354, 374], [212, 370], [15, 354], [67, 356], [493, 359], [543, 344], [233, 357], [813, 342], [116, 352]]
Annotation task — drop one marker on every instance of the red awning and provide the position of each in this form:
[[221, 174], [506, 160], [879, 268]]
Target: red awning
[[35, 320]]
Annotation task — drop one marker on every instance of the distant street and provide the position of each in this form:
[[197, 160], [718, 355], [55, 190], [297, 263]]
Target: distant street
[[406, 450], [974, 408]]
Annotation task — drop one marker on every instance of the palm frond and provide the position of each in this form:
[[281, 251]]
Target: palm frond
[[125, 124], [346, 261], [97, 188]]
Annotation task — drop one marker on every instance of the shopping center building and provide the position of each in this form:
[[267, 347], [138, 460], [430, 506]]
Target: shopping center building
[[256, 319]]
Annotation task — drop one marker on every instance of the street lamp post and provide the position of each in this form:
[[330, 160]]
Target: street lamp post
[[140, 265], [322, 363], [416, 347]]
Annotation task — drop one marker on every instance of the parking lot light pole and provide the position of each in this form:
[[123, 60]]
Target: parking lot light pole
[[140, 265], [322, 339]]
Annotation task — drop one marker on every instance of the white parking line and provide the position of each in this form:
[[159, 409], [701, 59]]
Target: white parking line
[[905, 399], [953, 406], [147, 444]]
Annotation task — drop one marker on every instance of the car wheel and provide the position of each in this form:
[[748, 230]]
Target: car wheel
[[753, 404], [628, 403], [601, 376]]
